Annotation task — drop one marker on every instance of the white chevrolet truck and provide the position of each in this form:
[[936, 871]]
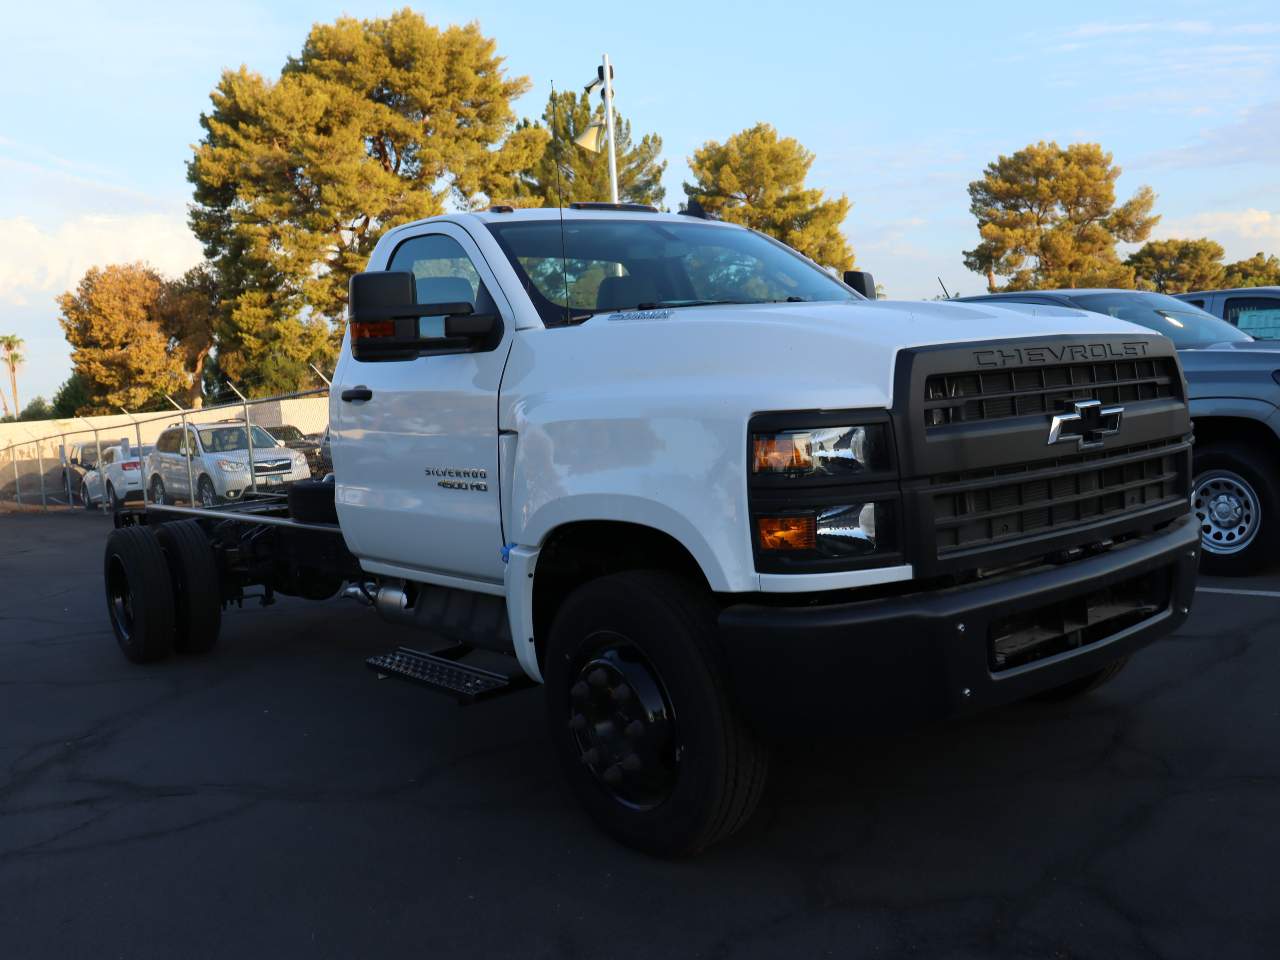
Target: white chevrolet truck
[[708, 496]]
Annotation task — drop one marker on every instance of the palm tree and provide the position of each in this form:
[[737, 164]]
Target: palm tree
[[11, 343]]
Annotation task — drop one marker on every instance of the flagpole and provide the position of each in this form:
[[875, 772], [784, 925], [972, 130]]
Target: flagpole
[[608, 120]]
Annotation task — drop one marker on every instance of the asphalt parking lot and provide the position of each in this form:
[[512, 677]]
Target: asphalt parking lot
[[276, 799]]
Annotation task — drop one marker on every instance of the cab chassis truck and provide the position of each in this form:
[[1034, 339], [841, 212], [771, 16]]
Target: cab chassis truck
[[709, 496]]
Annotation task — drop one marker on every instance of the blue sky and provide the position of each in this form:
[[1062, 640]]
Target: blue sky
[[903, 104]]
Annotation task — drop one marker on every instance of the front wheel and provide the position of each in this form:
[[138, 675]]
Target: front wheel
[[85, 500], [641, 717], [207, 495], [1236, 501], [157, 490], [113, 499]]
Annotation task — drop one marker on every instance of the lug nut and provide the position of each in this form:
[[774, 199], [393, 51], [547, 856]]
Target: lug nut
[[631, 762], [597, 678], [579, 691], [635, 729], [578, 722], [621, 693], [613, 775]]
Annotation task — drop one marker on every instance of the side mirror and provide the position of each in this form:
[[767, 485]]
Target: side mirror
[[861, 281], [387, 322]]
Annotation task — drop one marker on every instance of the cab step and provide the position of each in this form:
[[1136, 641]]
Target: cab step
[[442, 671]]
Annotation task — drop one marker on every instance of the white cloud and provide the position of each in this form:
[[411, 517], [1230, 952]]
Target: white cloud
[[1111, 28], [1254, 138], [38, 262], [1241, 232]]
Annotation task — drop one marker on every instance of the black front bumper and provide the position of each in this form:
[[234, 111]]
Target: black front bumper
[[899, 661]]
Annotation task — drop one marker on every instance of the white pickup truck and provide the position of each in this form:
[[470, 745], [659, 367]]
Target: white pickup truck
[[709, 496]]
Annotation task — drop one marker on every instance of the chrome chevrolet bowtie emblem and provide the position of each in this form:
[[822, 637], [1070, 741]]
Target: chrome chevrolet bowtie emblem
[[1086, 425]]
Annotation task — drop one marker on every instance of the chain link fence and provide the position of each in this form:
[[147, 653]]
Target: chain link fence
[[206, 456]]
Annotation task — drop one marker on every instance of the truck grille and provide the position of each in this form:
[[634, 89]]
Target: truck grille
[[997, 394], [987, 507]]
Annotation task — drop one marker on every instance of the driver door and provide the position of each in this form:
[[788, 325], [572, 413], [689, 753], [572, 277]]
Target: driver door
[[415, 441]]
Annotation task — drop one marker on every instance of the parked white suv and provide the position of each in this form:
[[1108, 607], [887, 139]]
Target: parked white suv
[[116, 479], [219, 463]]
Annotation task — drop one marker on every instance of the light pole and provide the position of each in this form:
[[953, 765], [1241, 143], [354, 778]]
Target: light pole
[[608, 122]]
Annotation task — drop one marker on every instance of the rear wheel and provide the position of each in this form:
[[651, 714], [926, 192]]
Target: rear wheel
[[113, 498], [641, 718], [1236, 501], [140, 594], [197, 590]]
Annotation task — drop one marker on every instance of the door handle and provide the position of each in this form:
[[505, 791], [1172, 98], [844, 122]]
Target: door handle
[[357, 393]]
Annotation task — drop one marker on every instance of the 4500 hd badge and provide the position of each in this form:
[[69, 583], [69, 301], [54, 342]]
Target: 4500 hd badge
[[456, 478]]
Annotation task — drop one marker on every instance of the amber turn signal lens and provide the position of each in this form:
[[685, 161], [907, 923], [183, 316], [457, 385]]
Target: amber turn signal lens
[[378, 328], [787, 533]]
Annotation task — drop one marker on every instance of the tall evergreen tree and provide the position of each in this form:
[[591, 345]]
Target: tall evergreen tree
[[1177, 266], [757, 179], [584, 174], [375, 123], [1260, 270], [1048, 217]]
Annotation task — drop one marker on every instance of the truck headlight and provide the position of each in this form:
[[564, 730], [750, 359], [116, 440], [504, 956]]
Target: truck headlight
[[839, 451], [824, 493], [231, 466]]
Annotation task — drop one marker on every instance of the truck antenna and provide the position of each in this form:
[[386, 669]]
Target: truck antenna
[[555, 137], [944, 288]]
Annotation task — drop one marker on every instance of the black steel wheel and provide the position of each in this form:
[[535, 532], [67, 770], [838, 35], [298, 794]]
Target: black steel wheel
[[624, 725], [139, 594], [197, 589], [641, 718]]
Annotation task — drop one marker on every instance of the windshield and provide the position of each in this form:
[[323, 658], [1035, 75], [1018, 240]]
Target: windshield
[[609, 265], [226, 439], [285, 433], [1187, 326]]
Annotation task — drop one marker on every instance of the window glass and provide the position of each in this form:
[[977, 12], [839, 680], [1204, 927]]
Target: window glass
[[443, 273], [1196, 303], [611, 264], [229, 438], [1258, 316], [1178, 320], [108, 457], [88, 456]]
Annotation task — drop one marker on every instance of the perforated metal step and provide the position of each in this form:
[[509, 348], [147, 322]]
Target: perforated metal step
[[464, 681]]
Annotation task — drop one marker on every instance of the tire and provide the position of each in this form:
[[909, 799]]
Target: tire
[[206, 494], [156, 490], [85, 500], [312, 501], [675, 769], [197, 588], [113, 499], [1236, 499], [139, 593], [1083, 685]]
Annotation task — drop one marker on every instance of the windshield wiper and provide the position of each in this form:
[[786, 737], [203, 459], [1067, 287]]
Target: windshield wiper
[[668, 304]]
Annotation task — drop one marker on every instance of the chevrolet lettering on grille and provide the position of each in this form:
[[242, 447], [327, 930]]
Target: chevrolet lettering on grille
[[1088, 424]]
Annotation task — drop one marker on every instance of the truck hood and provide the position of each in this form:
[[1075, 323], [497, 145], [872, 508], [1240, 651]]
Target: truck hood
[[823, 355]]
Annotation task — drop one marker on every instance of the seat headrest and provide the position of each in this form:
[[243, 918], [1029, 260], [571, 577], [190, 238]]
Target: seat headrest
[[619, 293]]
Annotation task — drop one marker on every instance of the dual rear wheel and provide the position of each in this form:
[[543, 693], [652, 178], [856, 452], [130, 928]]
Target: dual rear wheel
[[162, 590]]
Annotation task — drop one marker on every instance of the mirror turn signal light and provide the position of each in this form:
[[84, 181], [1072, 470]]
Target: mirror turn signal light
[[787, 533], [362, 330]]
